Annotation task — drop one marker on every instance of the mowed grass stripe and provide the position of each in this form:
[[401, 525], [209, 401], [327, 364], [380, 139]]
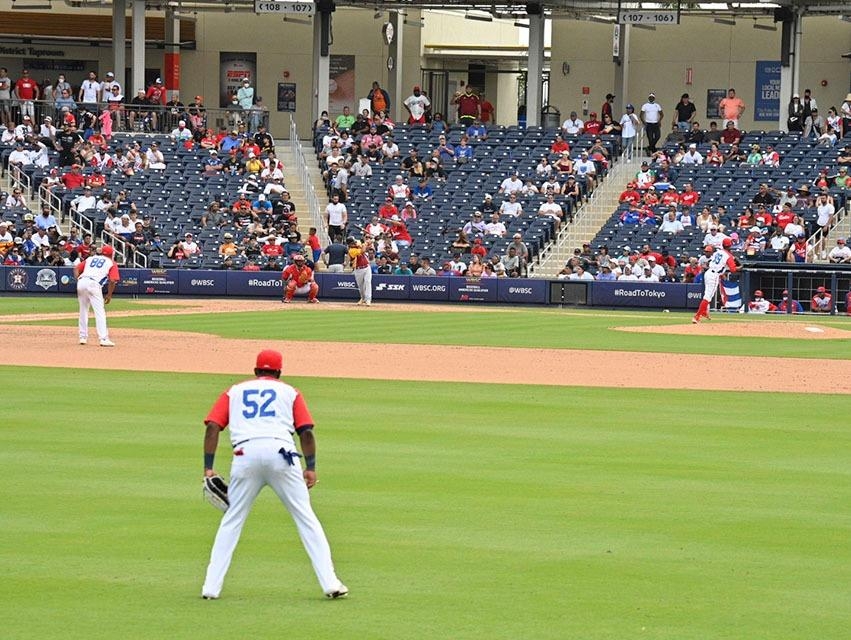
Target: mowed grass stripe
[[527, 328], [454, 511]]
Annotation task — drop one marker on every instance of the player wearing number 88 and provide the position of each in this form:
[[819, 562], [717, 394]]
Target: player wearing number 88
[[91, 275], [263, 413]]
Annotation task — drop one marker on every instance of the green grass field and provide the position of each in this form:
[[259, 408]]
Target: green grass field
[[458, 511]]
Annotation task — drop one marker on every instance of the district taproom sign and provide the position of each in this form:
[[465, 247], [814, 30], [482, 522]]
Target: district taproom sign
[[32, 51]]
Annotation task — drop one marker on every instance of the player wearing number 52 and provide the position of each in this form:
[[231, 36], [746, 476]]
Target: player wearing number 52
[[92, 274], [263, 413]]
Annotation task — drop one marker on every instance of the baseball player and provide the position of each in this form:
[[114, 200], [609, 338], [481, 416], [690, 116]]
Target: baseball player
[[263, 413], [719, 263], [760, 305], [91, 275], [359, 260], [299, 279]]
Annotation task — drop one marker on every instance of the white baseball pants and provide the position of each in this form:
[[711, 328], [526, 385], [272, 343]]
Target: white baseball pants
[[363, 278], [710, 284], [90, 294], [259, 465]]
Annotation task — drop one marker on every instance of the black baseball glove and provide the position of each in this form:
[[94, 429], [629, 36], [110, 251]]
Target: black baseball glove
[[216, 492]]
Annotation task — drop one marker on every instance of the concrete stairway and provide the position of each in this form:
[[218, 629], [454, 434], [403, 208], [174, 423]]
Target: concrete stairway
[[588, 221], [298, 190]]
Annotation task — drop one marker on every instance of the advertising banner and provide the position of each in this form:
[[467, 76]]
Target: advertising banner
[[202, 283], [430, 288], [233, 67], [521, 291], [767, 94], [254, 283], [638, 294], [286, 96], [341, 85], [464, 290], [156, 281], [339, 285], [391, 287]]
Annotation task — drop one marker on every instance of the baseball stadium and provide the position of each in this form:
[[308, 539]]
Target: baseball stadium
[[551, 375]]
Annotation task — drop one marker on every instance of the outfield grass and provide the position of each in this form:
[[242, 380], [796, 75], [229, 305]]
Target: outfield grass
[[454, 511], [527, 328], [19, 304]]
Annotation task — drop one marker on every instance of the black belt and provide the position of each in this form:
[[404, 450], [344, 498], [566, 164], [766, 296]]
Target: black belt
[[236, 444]]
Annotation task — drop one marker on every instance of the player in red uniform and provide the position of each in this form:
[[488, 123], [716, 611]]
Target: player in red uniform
[[299, 279], [720, 263]]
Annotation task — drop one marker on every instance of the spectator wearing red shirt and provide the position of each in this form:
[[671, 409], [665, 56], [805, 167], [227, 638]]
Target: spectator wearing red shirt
[[692, 270], [731, 135], [785, 216], [388, 209], [399, 232], [592, 125], [689, 197], [468, 106], [559, 145], [487, 110], [27, 91], [630, 195], [156, 93], [271, 248], [479, 249], [73, 179], [670, 196]]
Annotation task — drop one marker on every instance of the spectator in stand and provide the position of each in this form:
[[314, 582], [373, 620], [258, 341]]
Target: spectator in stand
[[389, 150], [822, 301], [731, 135], [522, 251], [714, 238], [379, 99], [553, 210], [800, 251], [685, 113], [732, 107], [586, 170], [825, 210], [181, 133], [398, 190], [511, 184], [417, 105], [422, 191], [630, 195], [388, 209], [559, 145], [495, 227], [336, 217], [469, 106], [692, 156], [564, 165], [345, 120], [511, 207], [645, 177], [841, 253], [714, 158], [592, 125], [651, 117], [475, 225], [670, 225], [696, 135], [572, 126], [630, 124], [463, 152], [754, 158], [764, 196]]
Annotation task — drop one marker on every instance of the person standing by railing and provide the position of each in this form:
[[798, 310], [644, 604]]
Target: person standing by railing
[[27, 92]]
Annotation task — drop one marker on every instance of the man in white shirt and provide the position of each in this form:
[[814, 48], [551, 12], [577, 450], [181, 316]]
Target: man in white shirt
[[573, 125], [107, 85], [585, 167], [656, 269], [714, 238], [841, 253], [648, 276], [627, 274], [189, 246], [417, 104], [651, 116], [670, 225], [181, 133], [552, 209], [90, 91], [84, 202], [692, 156], [629, 130], [511, 184], [511, 207], [19, 156], [495, 227], [336, 217], [580, 274]]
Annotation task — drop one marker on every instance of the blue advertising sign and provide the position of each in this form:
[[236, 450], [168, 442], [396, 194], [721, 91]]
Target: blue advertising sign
[[391, 287], [255, 283], [638, 294], [156, 281], [767, 94], [204, 283], [522, 291], [339, 285], [694, 295], [3, 271], [430, 288], [472, 290]]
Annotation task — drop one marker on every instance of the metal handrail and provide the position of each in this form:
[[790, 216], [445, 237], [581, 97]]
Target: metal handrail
[[820, 236], [309, 190]]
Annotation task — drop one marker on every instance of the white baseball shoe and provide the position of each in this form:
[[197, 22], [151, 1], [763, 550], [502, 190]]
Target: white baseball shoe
[[84, 341], [209, 597], [341, 592], [107, 343]]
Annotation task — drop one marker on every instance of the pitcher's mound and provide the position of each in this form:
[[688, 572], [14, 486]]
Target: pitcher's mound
[[748, 329]]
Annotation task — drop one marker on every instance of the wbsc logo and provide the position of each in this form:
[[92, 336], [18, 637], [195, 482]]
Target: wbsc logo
[[202, 283], [526, 291], [440, 288], [345, 284], [384, 286], [46, 279]]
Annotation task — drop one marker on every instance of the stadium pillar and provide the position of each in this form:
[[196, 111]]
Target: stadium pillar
[[321, 63], [534, 78], [394, 76], [790, 59], [621, 87], [119, 44], [138, 47], [171, 57]]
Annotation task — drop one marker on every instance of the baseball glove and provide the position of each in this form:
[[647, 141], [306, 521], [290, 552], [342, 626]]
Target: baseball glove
[[216, 492]]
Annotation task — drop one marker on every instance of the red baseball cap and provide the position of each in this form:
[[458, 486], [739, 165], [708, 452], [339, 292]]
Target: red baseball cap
[[107, 251], [270, 360], [821, 290]]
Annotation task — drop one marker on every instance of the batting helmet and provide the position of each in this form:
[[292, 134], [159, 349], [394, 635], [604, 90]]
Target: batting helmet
[[107, 251], [727, 243], [298, 257]]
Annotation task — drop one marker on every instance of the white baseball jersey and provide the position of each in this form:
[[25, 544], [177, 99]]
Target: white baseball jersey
[[261, 408], [100, 269], [720, 261]]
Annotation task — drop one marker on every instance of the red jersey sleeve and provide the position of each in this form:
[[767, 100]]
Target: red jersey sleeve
[[220, 413], [113, 273], [731, 264], [301, 414]]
